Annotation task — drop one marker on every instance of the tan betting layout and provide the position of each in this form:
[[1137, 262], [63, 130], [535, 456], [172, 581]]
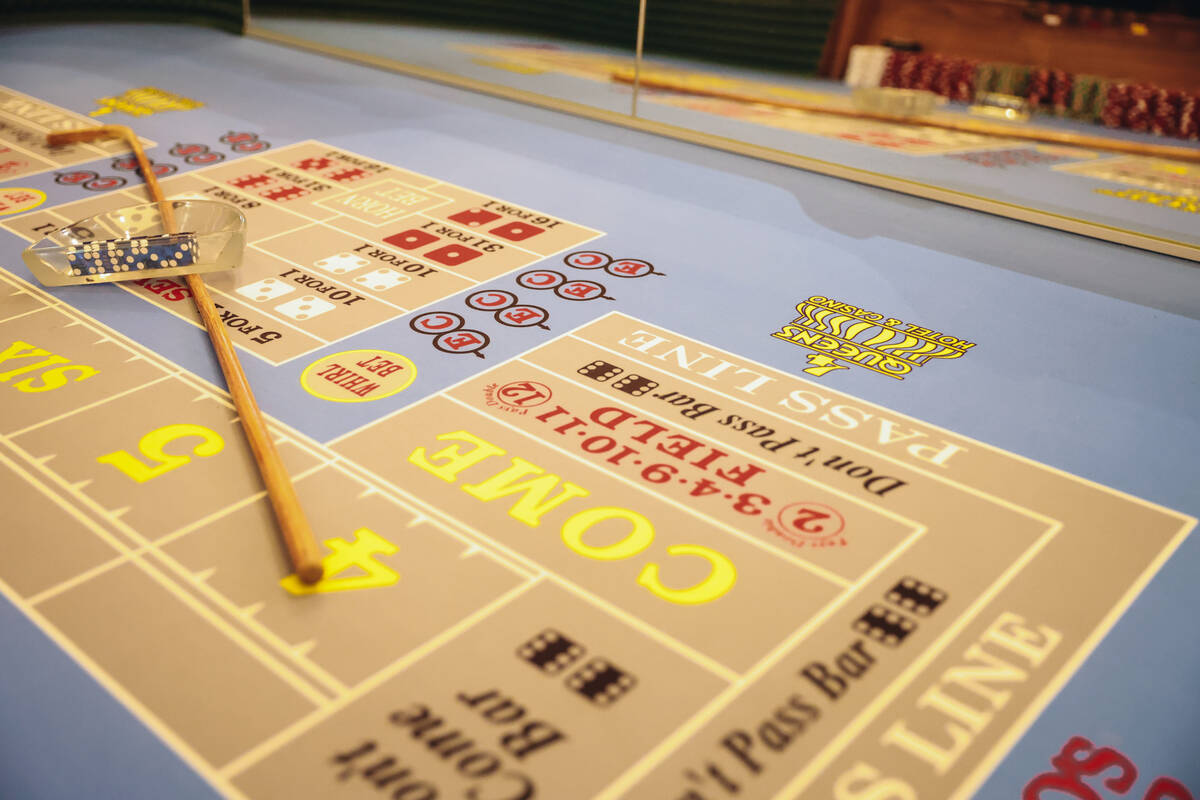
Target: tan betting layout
[[301, 545]]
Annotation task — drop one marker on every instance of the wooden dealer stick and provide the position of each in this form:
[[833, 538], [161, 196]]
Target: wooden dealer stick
[[301, 545]]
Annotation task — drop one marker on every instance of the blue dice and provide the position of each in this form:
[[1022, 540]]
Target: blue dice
[[132, 255]]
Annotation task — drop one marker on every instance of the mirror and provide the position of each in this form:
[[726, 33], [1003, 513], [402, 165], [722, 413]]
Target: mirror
[[1078, 117], [1004, 106], [556, 53]]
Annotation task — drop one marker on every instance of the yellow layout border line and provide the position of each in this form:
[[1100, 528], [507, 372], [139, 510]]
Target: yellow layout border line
[[71, 501], [828, 576], [100, 153], [982, 769], [185, 589], [982, 495], [1005, 742], [719, 703], [173, 741], [447, 520], [298, 728], [436, 182], [872, 710], [325, 223], [75, 114], [669, 745], [874, 508], [931, 425]]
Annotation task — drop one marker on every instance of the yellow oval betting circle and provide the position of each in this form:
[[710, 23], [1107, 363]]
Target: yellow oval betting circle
[[358, 376]]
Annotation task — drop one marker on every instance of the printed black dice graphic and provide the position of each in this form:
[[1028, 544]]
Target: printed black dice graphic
[[884, 625], [916, 596], [600, 371], [635, 385], [601, 682], [550, 651]]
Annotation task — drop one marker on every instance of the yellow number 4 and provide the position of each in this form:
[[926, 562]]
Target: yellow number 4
[[151, 446], [359, 553]]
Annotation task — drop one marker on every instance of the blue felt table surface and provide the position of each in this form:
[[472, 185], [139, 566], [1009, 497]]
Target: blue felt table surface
[[1088, 356]]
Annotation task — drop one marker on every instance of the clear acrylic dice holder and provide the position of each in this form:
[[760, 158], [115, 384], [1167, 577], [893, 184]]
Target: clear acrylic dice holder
[[133, 242]]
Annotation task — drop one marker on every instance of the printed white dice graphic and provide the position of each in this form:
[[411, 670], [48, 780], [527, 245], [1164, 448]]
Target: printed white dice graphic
[[305, 307], [382, 279], [341, 263], [266, 289]]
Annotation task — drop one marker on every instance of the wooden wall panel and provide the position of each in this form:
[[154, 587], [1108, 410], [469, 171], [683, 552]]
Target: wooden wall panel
[[996, 30]]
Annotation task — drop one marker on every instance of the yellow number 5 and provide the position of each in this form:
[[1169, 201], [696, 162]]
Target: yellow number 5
[[151, 446]]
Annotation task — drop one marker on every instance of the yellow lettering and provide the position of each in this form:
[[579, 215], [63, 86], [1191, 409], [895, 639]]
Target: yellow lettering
[[722, 575], [152, 447], [532, 505], [1009, 632], [972, 677], [14, 351], [55, 378], [453, 460], [934, 455], [972, 718], [51, 378], [359, 553], [638, 539], [935, 755], [864, 782]]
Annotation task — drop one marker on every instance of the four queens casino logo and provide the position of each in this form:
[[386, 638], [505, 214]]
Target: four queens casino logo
[[842, 335]]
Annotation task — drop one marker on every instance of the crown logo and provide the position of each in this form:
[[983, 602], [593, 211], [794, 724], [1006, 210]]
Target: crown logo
[[842, 335]]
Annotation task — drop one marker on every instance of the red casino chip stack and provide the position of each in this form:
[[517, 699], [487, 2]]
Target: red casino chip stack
[[1179, 101], [950, 80], [943, 83], [1116, 104], [964, 81], [928, 69], [891, 70], [906, 75], [1189, 117], [1037, 91], [1137, 116], [1060, 91], [1141, 107], [1164, 113]]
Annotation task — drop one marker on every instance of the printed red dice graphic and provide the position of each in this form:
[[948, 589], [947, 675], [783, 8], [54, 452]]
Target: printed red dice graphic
[[283, 193], [411, 239], [250, 181], [452, 255], [348, 175], [516, 231], [474, 217], [312, 164]]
